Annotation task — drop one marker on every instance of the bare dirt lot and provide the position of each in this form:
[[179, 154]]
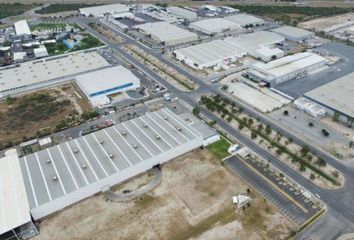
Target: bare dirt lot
[[192, 202]]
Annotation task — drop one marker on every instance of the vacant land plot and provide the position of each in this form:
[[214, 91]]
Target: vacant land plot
[[192, 202], [60, 7], [321, 24], [30, 115], [13, 9]]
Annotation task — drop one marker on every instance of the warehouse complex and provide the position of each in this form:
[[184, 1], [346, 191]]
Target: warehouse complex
[[261, 45], [100, 11], [167, 33], [245, 20], [44, 182], [214, 26], [209, 54], [287, 68], [40, 73], [22, 28], [183, 13], [336, 96], [293, 33], [98, 85]]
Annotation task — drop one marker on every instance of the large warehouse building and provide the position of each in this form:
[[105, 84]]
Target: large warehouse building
[[245, 20], [100, 11], [22, 28], [293, 33], [45, 72], [336, 96], [214, 26], [98, 85], [209, 54], [167, 33], [44, 182], [183, 13], [261, 45], [286, 68]]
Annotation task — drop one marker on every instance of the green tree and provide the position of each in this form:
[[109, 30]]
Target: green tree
[[196, 110]]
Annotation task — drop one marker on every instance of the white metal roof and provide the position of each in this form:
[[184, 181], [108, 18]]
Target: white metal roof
[[166, 32], [214, 25], [289, 64], [21, 27], [14, 206], [71, 171], [338, 95], [101, 10], [211, 51], [105, 79], [39, 71], [294, 32], [182, 12], [245, 19]]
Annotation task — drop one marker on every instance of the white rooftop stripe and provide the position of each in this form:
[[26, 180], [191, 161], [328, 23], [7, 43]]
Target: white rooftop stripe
[[56, 171], [127, 143], [147, 115], [183, 124], [157, 133], [137, 139], [67, 166], [45, 182], [77, 164], [2, 203], [106, 152], [30, 180], [114, 165], [83, 154], [15, 192], [173, 127], [93, 153], [147, 136]]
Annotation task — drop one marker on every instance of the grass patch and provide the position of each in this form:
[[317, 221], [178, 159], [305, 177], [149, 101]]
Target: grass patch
[[47, 26], [59, 7], [56, 48], [219, 149], [14, 9]]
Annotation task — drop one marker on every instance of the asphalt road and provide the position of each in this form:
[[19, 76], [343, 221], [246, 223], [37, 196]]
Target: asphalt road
[[340, 215]]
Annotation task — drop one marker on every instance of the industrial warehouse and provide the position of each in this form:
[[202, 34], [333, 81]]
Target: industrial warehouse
[[40, 73], [245, 20], [261, 45], [214, 26], [167, 33], [98, 85], [209, 54], [100, 11], [183, 13], [67, 173], [336, 97], [287, 68], [293, 33]]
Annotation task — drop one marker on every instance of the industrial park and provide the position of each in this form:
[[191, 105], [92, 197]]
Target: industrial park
[[169, 121]]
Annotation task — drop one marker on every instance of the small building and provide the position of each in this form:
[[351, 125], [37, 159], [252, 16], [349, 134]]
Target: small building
[[286, 68], [166, 33], [22, 28], [310, 107], [209, 54], [100, 11], [40, 52], [214, 26], [98, 85], [183, 13], [246, 20], [19, 56], [294, 34]]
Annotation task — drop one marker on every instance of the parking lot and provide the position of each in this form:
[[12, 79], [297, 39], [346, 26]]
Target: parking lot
[[297, 87], [274, 187]]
